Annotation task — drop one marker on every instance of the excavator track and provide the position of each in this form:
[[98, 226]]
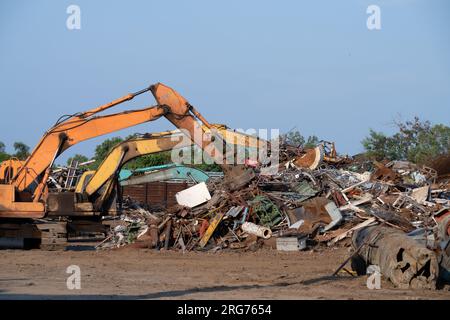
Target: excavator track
[[49, 234], [53, 235], [18, 234], [33, 234]]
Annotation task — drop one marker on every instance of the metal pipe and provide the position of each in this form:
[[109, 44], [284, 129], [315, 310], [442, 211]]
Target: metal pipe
[[256, 230]]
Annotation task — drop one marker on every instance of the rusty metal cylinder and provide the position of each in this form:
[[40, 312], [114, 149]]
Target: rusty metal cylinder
[[404, 261]]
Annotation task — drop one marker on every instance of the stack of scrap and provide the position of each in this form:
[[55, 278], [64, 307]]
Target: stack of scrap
[[65, 178], [308, 205]]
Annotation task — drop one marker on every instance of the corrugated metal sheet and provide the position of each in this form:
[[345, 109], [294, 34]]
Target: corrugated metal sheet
[[155, 193]]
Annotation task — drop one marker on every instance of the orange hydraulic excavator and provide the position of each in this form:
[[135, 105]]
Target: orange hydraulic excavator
[[23, 189], [23, 185]]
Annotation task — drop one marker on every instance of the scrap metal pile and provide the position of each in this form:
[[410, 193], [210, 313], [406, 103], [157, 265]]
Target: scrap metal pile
[[397, 212], [66, 177]]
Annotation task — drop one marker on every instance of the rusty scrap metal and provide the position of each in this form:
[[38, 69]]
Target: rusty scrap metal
[[322, 206], [402, 260], [167, 233], [213, 223]]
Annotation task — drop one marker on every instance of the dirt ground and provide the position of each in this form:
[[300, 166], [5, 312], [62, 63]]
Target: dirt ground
[[144, 274]]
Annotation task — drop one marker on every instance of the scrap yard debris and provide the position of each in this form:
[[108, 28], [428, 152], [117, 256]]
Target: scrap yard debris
[[395, 215]]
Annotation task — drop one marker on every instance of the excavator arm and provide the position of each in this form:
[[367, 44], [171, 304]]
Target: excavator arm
[[105, 175], [33, 174], [184, 116]]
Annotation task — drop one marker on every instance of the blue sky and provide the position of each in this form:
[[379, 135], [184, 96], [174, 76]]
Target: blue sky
[[249, 64]]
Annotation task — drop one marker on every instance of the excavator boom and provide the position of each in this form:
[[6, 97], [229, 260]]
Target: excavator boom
[[154, 143], [183, 115], [74, 129]]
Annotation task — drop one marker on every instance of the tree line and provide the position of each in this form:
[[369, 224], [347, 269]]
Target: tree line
[[21, 151]]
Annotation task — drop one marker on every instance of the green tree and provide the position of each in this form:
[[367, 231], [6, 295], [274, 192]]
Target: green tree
[[77, 157], [207, 164], [3, 154], [213, 167], [22, 151], [150, 160], [415, 141], [295, 138], [311, 142]]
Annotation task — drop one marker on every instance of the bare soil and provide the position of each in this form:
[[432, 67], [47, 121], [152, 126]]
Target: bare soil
[[131, 273]]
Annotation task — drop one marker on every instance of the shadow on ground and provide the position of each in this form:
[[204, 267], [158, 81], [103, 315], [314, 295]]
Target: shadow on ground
[[155, 295]]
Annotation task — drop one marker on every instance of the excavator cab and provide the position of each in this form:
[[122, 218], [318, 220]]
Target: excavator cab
[[9, 168]]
